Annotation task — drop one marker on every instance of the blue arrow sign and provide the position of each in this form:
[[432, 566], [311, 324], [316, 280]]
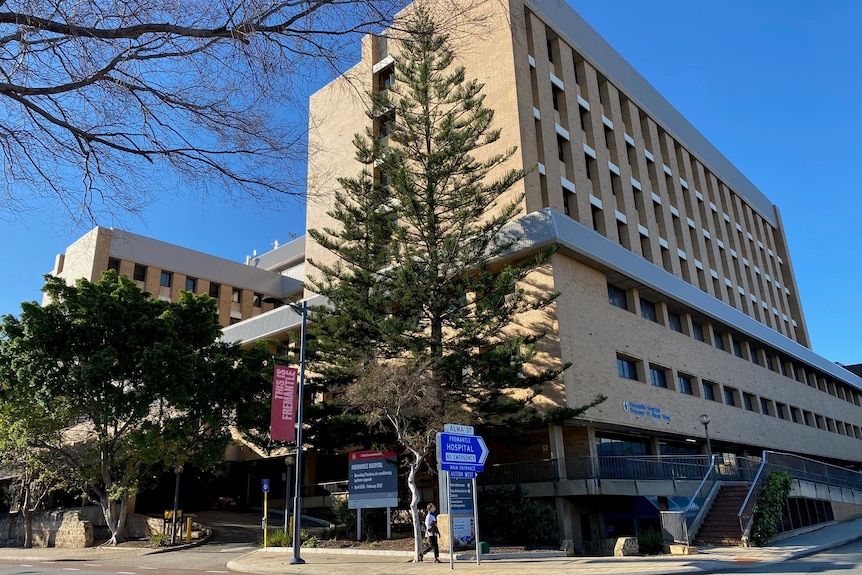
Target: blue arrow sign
[[462, 452]]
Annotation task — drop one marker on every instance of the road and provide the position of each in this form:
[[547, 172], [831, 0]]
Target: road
[[845, 560], [234, 535]]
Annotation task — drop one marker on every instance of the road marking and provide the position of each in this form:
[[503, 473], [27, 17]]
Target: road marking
[[126, 573], [92, 565], [150, 568], [70, 569], [215, 571], [232, 549]]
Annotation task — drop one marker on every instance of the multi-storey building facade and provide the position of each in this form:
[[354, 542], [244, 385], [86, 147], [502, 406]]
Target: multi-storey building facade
[[678, 297], [164, 270]]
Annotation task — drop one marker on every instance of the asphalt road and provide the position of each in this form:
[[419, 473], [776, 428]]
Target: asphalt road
[[844, 560], [234, 535]]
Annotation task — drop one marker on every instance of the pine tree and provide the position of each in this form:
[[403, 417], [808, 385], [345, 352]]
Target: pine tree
[[421, 329]]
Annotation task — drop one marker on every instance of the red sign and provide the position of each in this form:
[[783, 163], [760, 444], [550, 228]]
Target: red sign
[[373, 454], [282, 425]]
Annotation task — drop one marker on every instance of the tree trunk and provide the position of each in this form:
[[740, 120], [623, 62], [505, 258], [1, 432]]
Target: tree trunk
[[115, 518], [414, 507], [27, 512]]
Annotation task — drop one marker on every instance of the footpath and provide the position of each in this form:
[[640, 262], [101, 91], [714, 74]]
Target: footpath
[[370, 562], [708, 560]]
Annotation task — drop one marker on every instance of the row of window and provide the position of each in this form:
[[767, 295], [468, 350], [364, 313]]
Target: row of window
[[166, 279], [725, 341], [753, 262], [629, 368]]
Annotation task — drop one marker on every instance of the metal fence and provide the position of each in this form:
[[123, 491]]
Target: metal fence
[[800, 468], [658, 467]]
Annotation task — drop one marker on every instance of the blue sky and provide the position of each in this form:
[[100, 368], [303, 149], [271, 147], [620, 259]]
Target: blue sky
[[775, 85]]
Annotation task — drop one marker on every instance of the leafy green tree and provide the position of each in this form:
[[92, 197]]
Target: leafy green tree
[[37, 470], [422, 327], [134, 383]]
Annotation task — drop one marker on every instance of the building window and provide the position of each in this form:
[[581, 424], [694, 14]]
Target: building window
[[234, 320], [748, 401], [192, 285], [657, 377], [609, 446], [709, 390], [386, 78], [166, 279], [236, 295], [806, 418], [627, 368], [140, 273], [770, 364], [215, 289], [617, 297], [684, 384], [258, 300], [697, 331], [780, 411], [764, 406], [648, 310], [737, 347], [674, 322], [114, 264], [755, 356], [794, 414], [719, 340], [730, 397]]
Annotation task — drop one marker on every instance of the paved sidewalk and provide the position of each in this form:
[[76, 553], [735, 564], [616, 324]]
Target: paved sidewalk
[[708, 560]]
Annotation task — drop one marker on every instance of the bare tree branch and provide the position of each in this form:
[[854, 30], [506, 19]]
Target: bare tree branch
[[95, 97]]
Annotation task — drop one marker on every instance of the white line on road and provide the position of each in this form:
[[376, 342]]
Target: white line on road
[[215, 571], [126, 573], [92, 565], [232, 549], [70, 569]]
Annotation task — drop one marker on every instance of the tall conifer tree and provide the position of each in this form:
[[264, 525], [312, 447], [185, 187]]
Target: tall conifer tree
[[422, 324]]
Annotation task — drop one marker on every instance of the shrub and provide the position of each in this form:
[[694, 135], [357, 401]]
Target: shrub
[[770, 504], [159, 540], [279, 538], [650, 542], [507, 516]]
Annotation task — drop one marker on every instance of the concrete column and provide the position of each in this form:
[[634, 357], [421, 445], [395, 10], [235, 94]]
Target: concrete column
[[558, 449]]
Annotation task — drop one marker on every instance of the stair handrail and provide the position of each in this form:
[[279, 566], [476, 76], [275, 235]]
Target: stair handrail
[[746, 510], [707, 501]]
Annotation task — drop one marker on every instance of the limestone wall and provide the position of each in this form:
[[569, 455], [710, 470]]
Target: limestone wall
[[50, 529]]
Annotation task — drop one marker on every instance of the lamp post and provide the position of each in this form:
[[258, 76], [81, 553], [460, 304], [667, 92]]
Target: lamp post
[[288, 461], [704, 420], [297, 497], [178, 470]]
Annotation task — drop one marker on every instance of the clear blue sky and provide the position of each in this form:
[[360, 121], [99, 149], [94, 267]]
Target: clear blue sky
[[776, 85]]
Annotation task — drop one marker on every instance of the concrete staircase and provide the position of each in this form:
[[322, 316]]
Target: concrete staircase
[[721, 526]]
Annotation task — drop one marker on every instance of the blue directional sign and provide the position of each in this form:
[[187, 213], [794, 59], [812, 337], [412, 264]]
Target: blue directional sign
[[264, 485], [458, 452]]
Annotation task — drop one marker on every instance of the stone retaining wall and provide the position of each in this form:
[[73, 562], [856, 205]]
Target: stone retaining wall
[[70, 528], [50, 529]]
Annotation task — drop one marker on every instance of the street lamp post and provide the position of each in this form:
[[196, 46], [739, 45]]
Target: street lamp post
[[297, 497], [178, 470], [288, 461], [704, 420]]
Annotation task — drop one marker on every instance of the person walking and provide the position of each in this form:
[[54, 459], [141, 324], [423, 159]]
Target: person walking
[[431, 532]]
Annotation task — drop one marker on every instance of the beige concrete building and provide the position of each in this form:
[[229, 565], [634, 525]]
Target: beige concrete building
[[678, 297], [677, 294], [164, 269]]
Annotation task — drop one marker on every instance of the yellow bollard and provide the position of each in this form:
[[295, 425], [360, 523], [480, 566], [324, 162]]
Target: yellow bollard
[[188, 529]]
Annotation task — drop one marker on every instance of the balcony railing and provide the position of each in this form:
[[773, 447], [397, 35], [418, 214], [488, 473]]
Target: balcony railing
[[658, 467]]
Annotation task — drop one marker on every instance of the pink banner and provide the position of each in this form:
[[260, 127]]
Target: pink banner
[[283, 417]]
